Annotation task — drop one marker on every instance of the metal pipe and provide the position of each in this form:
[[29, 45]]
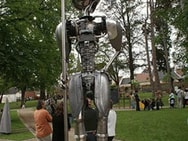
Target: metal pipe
[[111, 61], [64, 69]]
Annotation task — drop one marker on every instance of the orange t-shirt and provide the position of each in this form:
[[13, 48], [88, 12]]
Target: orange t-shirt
[[42, 126]]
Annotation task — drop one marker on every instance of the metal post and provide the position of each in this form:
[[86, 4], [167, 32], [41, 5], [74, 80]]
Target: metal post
[[64, 68]]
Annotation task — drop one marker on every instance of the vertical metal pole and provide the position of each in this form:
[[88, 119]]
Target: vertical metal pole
[[64, 68]]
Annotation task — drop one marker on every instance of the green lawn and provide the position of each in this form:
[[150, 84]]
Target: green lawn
[[19, 131], [162, 125], [16, 105]]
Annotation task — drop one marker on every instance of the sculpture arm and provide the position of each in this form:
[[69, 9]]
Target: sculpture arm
[[70, 31], [114, 31]]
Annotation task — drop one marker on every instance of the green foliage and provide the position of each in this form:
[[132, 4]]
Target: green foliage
[[166, 77], [29, 57], [185, 79], [135, 84]]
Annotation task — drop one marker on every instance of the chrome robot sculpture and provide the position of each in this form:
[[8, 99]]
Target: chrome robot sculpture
[[89, 82]]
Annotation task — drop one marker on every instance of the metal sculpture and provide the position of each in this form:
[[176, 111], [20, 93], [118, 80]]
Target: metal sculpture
[[89, 82]]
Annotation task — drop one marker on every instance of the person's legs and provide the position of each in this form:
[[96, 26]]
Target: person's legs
[[47, 138], [184, 101], [178, 102], [110, 138], [91, 137], [38, 139], [181, 102], [157, 105]]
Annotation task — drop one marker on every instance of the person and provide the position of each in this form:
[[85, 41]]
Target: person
[[112, 116], [137, 99], [58, 124], [171, 99], [42, 126], [146, 103], [50, 105], [132, 98], [179, 93], [152, 104], [90, 120], [158, 99], [185, 99]]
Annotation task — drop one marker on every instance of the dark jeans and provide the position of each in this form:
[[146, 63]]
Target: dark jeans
[[185, 102], [137, 106], [91, 137], [110, 138]]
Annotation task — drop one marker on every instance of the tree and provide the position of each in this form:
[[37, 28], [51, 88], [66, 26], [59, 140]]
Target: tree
[[146, 31], [179, 20], [28, 55], [128, 15], [154, 59]]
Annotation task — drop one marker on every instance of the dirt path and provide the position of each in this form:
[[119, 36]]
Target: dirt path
[[26, 115]]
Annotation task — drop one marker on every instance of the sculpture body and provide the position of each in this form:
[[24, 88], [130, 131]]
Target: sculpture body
[[89, 82], [5, 124]]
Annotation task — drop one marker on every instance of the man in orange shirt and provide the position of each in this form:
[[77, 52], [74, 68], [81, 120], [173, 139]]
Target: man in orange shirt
[[42, 119]]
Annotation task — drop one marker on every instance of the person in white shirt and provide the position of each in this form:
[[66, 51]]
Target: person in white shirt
[[179, 93], [172, 99], [112, 117]]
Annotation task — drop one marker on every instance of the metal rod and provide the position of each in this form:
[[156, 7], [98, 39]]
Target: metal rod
[[110, 62], [64, 69]]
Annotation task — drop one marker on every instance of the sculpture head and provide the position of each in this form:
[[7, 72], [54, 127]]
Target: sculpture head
[[82, 4]]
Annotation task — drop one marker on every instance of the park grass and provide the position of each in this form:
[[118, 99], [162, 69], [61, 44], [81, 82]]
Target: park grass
[[16, 105], [162, 125], [157, 125], [19, 131]]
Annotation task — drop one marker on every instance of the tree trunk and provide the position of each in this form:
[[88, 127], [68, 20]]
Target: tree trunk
[[1, 97], [42, 93], [146, 32], [131, 61], [169, 79], [23, 90], [148, 60], [154, 56]]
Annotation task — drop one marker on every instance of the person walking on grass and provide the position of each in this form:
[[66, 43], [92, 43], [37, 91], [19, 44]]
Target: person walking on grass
[[112, 116], [185, 98], [158, 99], [42, 126], [137, 99], [172, 99], [179, 93]]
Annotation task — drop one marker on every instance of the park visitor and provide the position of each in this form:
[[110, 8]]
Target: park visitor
[[112, 116], [185, 101], [42, 125], [172, 99], [90, 120], [58, 123], [137, 99], [179, 93]]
